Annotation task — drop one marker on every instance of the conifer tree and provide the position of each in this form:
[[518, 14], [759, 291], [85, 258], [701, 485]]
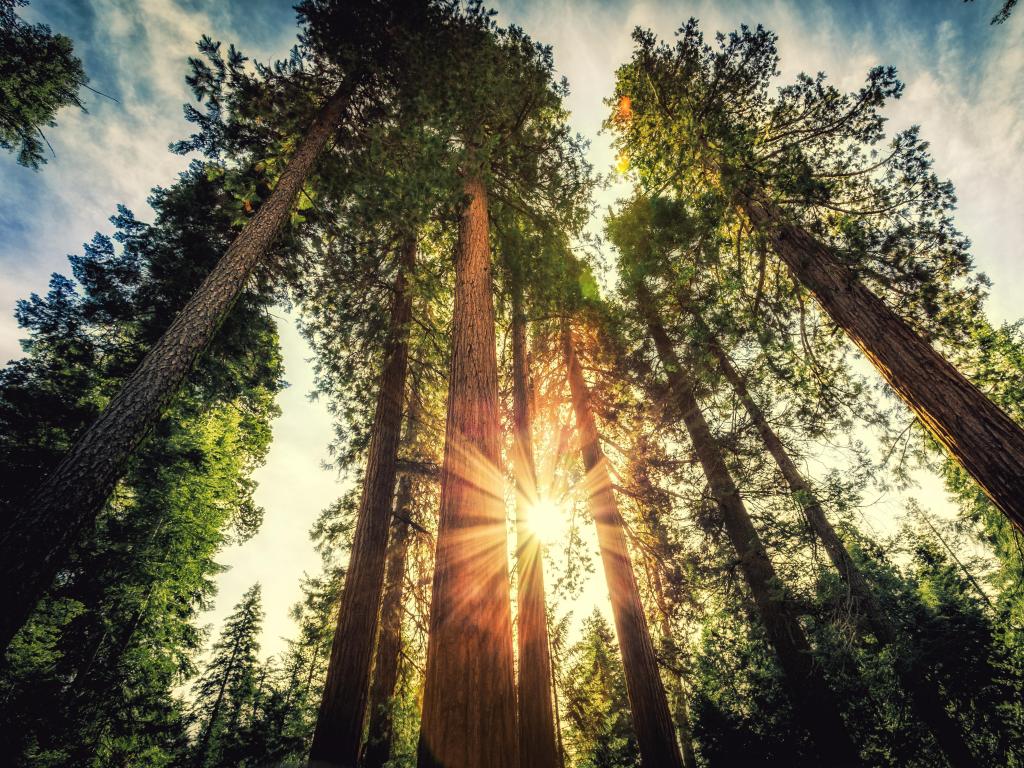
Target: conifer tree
[[34, 546], [227, 687], [798, 167], [647, 700], [39, 76]]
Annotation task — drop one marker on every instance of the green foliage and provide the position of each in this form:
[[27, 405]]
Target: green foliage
[[598, 729], [226, 693], [89, 679], [39, 76]]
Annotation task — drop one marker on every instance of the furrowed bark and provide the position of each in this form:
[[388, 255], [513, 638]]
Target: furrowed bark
[[469, 699], [924, 696], [808, 691], [652, 721], [536, 714], [381, 732], [339, 726], [67, 503], [978, 435]]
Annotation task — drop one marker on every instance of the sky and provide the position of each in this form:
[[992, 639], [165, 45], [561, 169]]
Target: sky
[[964, 87]]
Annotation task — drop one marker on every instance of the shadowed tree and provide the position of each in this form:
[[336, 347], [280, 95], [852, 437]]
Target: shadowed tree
[[648, 705]]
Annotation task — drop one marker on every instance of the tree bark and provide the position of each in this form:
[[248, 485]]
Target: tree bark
[[925, 698], [978, 435], [67, 503], [469, 698], [536, 714], [808, 691], [339, 726], [652, 721], [381, 732]]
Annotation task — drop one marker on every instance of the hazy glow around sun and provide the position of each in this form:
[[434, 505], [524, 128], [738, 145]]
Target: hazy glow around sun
[[548, 520]]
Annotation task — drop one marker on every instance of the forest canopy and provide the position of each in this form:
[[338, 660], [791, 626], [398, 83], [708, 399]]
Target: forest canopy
[[610, 441]]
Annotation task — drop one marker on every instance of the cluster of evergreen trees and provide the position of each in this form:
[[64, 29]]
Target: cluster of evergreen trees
[[409, 181]]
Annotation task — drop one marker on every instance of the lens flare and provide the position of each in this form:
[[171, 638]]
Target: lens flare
[[547, 520]]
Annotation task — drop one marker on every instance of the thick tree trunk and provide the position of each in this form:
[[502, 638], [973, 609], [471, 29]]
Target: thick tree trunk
[[339, 726], [66, 505], [536, 714], [652, 720], [925, 697], [469, 697], [982, 438], [814, 703], [381, 732]]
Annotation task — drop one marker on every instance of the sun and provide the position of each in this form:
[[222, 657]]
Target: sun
[[547, 520]]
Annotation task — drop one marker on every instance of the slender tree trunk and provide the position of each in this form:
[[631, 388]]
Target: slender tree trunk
[[381, 732], [979, 436], [925, 698], [203, 745], [66, 504], [654, 501], [339, 726], [652, 720], [814, 702], [536, 714], [469, 697]]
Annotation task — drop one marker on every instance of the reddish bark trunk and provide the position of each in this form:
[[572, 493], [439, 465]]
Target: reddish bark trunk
[[536, 714], [381, 732], [924, 696], [38, 541], [811, 697], [652, 721], [469, 699], [339, 726], [980, 437]]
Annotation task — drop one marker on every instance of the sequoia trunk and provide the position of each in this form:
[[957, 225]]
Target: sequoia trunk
[[469, 699], [67, 503], [807, 688], [536, 714], [339, 725], [652, 721], [981, 437]]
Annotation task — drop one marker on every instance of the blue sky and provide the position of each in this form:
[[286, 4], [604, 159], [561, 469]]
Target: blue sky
[[965, 87]]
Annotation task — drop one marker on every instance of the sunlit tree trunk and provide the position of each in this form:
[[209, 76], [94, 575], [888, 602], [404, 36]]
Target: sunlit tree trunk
[[815, 705], [65, 506], [652, 720], [925, 697], [979, 436], [469, 699], [381, 731], [536, 714], [339, 726]]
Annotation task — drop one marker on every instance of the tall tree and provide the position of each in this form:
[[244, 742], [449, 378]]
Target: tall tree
[[469, 692], [38, 541], [340, 723], [649, 707], [91, 674], [496, 97], [806, 685], [799, 167], [536, 712]]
